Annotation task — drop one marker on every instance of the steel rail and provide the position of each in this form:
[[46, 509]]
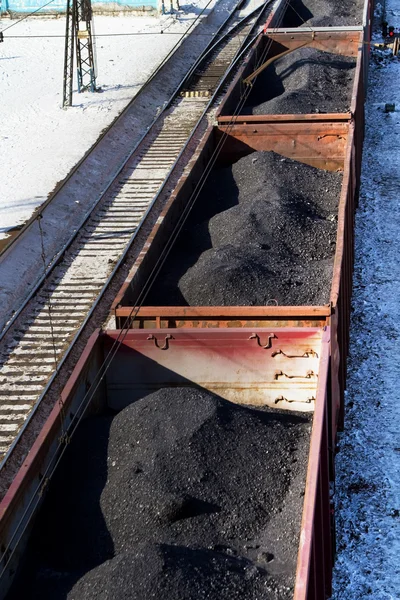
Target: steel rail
[[119, 117]]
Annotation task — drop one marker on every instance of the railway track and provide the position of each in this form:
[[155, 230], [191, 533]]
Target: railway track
[[36, 345]]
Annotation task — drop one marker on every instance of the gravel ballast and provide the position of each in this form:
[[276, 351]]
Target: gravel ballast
[[196, 486], [262, 230], [305, 81]]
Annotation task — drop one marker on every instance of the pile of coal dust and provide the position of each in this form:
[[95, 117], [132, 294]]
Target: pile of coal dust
[[305, 81], [188, 497], [323, 13], [262, 229]]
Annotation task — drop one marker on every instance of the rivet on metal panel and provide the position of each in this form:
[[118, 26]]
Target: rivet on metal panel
[[268, 345], [308, 375], [306, 354], [283, 399], [166, 342]]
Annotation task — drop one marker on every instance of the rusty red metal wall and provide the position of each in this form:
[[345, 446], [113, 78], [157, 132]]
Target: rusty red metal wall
[[176, 317], [316, 140], [24, 496], [316, 551], [270, 366]]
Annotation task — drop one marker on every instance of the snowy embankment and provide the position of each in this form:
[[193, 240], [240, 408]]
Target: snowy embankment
[[41, 142], [368, 462]]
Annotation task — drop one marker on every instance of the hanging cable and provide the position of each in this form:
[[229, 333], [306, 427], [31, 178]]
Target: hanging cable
[[99, 35], [64, 436], [43, 256], [139, 302], [85, 402]]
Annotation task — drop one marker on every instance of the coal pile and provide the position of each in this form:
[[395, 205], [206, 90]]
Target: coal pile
[[323, 13], [183, 474], [209, 474], [305, 81], [192, 497], [173, 572], [262, 230]]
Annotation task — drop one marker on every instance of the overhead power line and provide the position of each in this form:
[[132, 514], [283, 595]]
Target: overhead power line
[[27, 16], [100, 35]]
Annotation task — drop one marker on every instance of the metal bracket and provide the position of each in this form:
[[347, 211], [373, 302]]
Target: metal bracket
[[308, 375], [166, 341], [268, 345], [283, 399], [253, 75], [306, 354]]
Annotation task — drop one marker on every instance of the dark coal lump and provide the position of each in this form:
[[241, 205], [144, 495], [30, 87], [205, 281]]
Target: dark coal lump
[[323, 13], [182, 495], [188, 468], [176, 573], [305, 81], [263, 230]]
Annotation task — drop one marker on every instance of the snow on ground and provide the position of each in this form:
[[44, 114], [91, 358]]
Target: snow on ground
[[368, 463], [41, 142]]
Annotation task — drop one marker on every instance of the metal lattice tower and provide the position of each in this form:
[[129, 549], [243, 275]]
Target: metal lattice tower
[[69, 55], [79, 39]]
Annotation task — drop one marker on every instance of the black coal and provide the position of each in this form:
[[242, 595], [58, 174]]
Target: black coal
[[323, 13], [185, 496], [262, 229]]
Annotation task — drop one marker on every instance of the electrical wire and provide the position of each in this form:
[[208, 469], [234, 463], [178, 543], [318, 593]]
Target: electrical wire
[[26, 16], [85, 402], [195, 194], [99, 35]]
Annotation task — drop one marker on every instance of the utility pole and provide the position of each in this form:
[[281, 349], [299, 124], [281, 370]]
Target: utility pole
[[78, 42]]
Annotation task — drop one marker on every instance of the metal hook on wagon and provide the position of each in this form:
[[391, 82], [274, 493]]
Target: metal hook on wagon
[[306, 354], [166, 341], [283, 399], [308, 375], [268, 345]]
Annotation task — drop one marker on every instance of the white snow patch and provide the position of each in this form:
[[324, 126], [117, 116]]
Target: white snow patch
[[368, 463], [39, 141]]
